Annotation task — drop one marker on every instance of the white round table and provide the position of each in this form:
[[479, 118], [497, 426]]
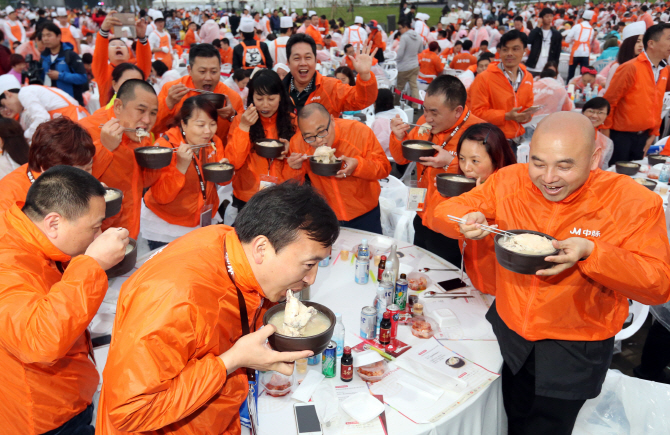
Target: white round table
[[482, 413]]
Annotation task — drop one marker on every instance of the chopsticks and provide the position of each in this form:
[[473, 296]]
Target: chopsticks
[[195, 147], [429, 127], [201, 91], [134, 130], [482, 226]]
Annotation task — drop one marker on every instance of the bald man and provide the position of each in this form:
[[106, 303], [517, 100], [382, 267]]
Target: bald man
[[556, 328]]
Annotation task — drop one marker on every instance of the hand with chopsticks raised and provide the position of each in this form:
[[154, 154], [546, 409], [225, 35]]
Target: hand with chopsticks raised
[[573, 250], [111, 134], [472, 228]]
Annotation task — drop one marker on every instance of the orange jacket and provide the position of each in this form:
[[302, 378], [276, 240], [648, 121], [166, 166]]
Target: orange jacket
[[226, 55], [636, 101], [102, 69], [426, 174], [375, 37], [430, 65], [249, 166], [119, 169], [314, 33], [45, 371], [587, 302], [447, 52], [14, 187], [462, 61], [163, 374], [336, 97], [491, 96], [357, 194], [175, 197], [166, 115], [189, 38]]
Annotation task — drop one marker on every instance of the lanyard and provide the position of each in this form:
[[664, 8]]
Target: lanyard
[[31, 178], [200, 179], [244, 318]]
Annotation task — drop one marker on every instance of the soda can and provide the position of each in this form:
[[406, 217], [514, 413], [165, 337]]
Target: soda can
[[329, 360], [395, 312], [325, 262], [401, 288], [314, 359], [369, 323], [380, 305]]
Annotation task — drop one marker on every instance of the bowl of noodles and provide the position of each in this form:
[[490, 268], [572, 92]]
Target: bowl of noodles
[[525, 251], [127, 264]]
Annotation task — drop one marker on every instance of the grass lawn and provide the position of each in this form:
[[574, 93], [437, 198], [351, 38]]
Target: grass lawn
[[378, 13]]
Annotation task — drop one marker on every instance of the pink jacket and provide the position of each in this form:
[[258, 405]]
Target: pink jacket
[[209, 31], [477, 36]]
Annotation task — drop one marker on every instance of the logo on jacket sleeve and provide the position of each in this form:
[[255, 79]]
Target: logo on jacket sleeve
[[587, 233]]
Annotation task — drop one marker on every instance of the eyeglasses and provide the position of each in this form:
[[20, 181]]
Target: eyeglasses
[[593, 112], [321, 135]]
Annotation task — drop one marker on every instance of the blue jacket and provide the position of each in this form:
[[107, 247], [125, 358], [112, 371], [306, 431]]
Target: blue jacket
[[72, 76]]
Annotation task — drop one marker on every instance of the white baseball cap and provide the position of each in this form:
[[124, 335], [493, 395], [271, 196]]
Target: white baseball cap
[[634, 29], [247, 25], [358, 20], [587, 15], [7, 82], [285, 22]]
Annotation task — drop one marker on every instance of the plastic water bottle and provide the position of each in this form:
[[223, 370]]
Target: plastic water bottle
[[588, 93], [664, 177], [338, 334], [362, 274]]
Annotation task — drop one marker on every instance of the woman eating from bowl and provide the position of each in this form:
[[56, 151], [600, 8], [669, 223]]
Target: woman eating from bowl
[[481, 151], [181, 200], [269, 115], [597, 109]]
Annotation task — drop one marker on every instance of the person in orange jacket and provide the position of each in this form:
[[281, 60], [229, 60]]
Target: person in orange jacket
[[500, 94], [191, 37], [110, 53], [375, 41], [269, 115], [180, 343], [114, 163], [226, 52], [312, 29], [636, 95], [305, 85], [354, 192], [430, 65], [53, 259], [556, 328], [59, 141], [448, 116], [181, 198], [482, 150], [349, 55], [463, 59], [203, 74]]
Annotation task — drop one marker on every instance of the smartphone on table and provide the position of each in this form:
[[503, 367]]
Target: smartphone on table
[[306, 419], [452, 284]]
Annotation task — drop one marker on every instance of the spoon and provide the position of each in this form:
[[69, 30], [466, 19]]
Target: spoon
[[433, 294], [428, 269]]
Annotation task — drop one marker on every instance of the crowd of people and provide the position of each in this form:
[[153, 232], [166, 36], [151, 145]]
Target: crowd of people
[[82, 90]]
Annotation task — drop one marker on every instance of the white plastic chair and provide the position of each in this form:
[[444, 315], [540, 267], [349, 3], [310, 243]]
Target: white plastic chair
[[639, 312], [601, 64], [390, 64], [422, 95], [369, 115], [390, 55], [392, 76], [226, 68]]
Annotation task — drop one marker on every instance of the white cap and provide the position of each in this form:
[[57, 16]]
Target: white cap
[[285, 22], [311, 14], [7, 82], [266, 11], [304, 11], [570, 12], [31, 16], [460, 5], [53, 15], [358, 20], [61, 12], [634, 29], [423, 17], [9, 10], [247, 25], [276, 68], [477, 11], [587, 15], [153, 13]]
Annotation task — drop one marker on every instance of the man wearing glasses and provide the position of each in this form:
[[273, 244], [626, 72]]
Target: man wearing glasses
[[353, 192], [502, 93]]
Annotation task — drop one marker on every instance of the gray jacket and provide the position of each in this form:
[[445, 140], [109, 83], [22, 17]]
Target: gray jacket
[[408, 51]]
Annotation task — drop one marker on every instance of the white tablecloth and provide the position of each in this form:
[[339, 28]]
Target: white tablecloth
[[335, 288]]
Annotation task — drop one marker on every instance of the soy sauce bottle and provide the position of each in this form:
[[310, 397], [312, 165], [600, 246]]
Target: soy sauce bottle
[[385, 329], [347, 365]]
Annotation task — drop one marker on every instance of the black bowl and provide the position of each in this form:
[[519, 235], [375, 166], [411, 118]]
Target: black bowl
[[125, 265], [153, 160], [269, 152], [315, 343], [325, 169], [415, 154], [649, 184], [627, 170], [218, 175], [450, 188], [113, 207], [657, 159], [524, 264], [219, 100]]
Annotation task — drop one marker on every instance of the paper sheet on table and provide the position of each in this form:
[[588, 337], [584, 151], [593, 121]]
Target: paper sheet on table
[[471, 314], [351, 427]]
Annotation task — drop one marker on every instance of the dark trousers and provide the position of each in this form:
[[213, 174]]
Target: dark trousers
[[380, 56], [438, 244], [577, 62], [155, 245], [628, 145], [655, 354], [370, 221], [530, 414], [78, 425]]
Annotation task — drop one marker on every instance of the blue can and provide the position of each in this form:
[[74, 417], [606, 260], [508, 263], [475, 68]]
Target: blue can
[[329, 360], [314, 359], [325, 262]]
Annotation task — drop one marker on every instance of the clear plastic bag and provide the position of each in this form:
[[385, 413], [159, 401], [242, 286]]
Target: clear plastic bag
[[626, 406]]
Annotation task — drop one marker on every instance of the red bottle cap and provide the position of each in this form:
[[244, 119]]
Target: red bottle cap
[[386, 315], [347, 350]]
